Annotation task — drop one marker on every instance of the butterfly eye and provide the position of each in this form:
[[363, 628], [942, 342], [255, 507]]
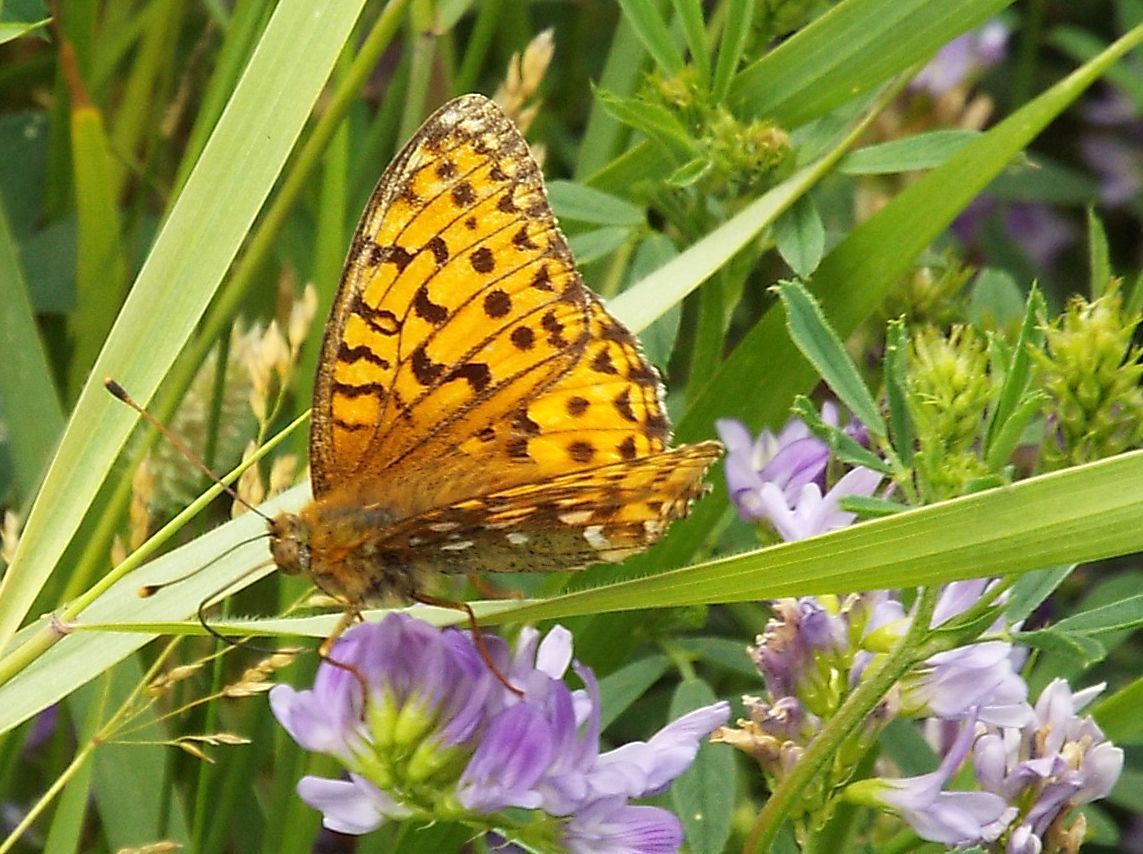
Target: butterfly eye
[[290, 550]]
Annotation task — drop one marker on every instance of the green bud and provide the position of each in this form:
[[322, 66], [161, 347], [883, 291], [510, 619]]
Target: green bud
[[1091, 370], [949, 389]]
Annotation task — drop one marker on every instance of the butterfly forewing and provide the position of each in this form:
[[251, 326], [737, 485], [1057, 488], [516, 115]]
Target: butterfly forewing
[[474, 397]]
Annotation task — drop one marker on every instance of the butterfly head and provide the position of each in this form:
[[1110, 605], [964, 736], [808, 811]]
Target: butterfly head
[[290, 543]]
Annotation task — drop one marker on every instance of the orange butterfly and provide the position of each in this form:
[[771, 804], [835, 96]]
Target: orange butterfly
[[476, 408]]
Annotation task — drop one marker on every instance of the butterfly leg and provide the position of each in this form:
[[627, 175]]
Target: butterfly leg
[[492, 591], [477, 636], [347, 618]]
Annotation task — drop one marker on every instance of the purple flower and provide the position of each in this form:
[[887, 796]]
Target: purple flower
[[781, 479], [1115, 152], [435, 735], [791, 654], [978, 678], [1054, 762], [1118, 163], [788, 461], [541, 754], [951, 818], [612, 825], [964, 57], [1041, 232]]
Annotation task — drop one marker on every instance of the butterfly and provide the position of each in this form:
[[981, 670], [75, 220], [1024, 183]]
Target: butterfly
[[476, 409]]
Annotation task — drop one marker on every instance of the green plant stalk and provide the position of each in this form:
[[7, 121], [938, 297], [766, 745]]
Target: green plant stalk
[[857, 706], [148, 85], [230, 296], [101, 274], [78, 761], [422, 43], [46, 637], [25, 375], [308, 158], [242, 30], [476, 46], [85, 753]]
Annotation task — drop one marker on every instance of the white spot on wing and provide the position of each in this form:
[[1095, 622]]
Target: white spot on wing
[[457, 547], [575, 518], [518, 539], [594, 536]]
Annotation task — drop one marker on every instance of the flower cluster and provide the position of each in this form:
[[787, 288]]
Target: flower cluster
[[427, 732], [1090, 369], [1032, 764], [782, 479]]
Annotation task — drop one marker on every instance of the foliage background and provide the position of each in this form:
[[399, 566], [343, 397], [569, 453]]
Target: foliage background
[[168, 164]]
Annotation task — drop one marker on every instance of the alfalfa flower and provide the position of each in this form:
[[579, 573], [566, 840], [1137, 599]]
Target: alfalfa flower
[[781, 479], [426, 732]]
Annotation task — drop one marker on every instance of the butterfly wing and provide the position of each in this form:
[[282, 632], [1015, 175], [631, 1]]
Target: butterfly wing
[[569, 521], [464, 354]]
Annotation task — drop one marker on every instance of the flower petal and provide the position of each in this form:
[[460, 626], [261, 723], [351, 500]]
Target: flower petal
[[350, 806]]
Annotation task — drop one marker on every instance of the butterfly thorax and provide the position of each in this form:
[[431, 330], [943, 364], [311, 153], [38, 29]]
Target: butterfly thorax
[[341, 547]]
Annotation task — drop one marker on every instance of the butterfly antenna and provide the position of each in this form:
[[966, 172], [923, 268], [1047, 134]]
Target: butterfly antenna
[[121, 393], [200, 612], [149, 590], [477, 636]]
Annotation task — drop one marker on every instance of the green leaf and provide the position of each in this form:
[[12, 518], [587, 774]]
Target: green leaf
[[101, 272], [728, 654], [870, 508], [1125, 614], [704, 794], [1030, 591], [1044, 180], [138, 812], [659, 338], [26, 379], [667, 286], [618, 690], [1118, 715], [1079, 648], [1083, 45], [689, 12], [590, 246], [1070, 516], [735, 34], [653, 121], [1099, 255], [581, 203], [1134, 296], [10, 30], [689, 172], [822, 347], [1013, 407], [996, 301], [846, 448], [800, 237], [922, 151], [244, 156], [852, 48], [895, 378], [904, 744], [653, 33]]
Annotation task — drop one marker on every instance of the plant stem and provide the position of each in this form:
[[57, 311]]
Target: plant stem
[[849, 717]]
